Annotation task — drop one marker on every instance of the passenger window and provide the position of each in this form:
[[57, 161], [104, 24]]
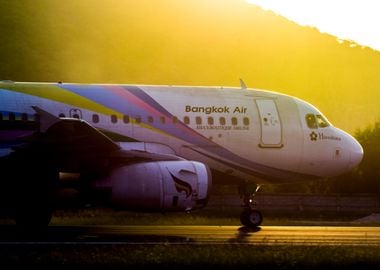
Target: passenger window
[[162, 119], [311, 121], [186, 120], [222, 121], [175, 119], [113, 118], [210, 121], [150, 119], [138, 119], [198, 120], [246, 121], [234, 121], [322, 122], [95, 118], [126, 119]]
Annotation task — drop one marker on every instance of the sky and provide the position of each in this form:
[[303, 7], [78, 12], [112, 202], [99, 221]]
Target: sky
[[196, 42], [356, 20]]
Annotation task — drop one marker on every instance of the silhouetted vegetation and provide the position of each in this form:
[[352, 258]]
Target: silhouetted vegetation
[[366, 177], [208, 42]]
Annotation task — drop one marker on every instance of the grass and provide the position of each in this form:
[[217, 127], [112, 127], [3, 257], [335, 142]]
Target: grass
[[190, 256]]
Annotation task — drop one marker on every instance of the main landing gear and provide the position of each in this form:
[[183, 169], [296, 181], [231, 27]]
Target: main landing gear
[[250, 217]]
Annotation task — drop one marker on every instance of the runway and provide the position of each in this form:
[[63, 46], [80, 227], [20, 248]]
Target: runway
[[195, 235]]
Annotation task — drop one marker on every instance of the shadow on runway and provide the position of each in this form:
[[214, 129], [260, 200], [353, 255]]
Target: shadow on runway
[[243, 234]]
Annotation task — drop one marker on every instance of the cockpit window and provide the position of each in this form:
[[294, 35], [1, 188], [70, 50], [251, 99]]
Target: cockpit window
[[322, 122], [316, 121], [311, 121]]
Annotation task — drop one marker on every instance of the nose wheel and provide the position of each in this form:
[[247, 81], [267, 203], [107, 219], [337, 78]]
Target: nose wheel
[[250, 217]]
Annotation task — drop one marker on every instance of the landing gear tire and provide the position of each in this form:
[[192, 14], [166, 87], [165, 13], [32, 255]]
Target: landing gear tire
[[34, 197], [251, 218]]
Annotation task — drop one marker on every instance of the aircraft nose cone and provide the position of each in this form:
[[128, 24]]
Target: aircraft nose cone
[[356, 154]]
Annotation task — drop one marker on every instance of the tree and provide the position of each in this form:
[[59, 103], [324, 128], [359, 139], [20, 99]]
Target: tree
[[365, 178]]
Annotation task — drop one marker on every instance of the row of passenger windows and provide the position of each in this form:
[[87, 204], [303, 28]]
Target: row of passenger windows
[[150, 120], [23, 117], [187, 120], [312, 121], [138, 119]]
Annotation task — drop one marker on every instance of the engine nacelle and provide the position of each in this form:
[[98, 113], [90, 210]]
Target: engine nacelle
[[160, 186]]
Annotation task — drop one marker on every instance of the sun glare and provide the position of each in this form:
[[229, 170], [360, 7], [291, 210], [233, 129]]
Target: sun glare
[[350, 19]]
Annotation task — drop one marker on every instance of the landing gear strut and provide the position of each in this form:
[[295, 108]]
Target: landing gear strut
[[250, 217]]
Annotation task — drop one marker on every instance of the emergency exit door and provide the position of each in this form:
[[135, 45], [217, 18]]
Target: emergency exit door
[[271, 129]]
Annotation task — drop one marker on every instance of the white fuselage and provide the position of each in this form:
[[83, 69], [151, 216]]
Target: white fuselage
[[251, 134]]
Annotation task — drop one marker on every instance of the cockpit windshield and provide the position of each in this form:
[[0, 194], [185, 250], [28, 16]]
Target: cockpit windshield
[[322, 122], [316, 121]]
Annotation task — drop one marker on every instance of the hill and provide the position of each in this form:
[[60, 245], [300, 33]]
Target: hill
[[198, 42]]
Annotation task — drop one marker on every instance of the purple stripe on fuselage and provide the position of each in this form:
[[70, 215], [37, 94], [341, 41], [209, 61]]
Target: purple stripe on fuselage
[[137, 103], [148, 99], [134, 101]]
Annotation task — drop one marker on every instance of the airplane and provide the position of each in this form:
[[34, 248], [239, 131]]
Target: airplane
[[157, 147]]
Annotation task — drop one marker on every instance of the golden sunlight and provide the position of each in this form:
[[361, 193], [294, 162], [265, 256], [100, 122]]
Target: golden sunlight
[[203, 42], [355, 20]]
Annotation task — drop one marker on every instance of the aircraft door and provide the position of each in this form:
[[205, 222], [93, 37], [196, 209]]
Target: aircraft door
[[76, 113], [271, 129]]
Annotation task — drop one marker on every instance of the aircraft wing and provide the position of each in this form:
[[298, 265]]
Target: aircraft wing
[[69, 139], [127, 178]]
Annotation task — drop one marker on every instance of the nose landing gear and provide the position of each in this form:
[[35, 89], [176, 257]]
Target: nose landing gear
[[250, 217]]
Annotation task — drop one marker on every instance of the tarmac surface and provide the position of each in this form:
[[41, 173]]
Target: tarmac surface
[[194, 235]]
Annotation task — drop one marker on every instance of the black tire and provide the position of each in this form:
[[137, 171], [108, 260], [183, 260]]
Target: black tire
[[251, 218], [35, 198]]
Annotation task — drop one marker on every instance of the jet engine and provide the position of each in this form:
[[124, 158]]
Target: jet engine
[[159, 186]]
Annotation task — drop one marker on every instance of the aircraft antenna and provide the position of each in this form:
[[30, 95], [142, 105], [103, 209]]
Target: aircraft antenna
[[242, 84]]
